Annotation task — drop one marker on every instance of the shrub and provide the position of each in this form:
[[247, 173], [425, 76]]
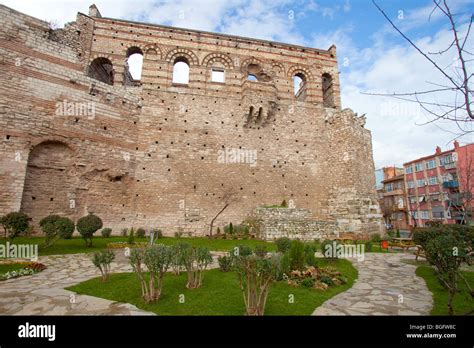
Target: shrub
[[375, 238], [195, 260], [14, 224], [326, 280], [124, 232], [283, 244], [157, 260], [140, 232], [284, 204], [55, 227], [102, 260], [447, 252], [131, 237], [307, 282], [433, 223], [297, 255], [285, 264], [218, 230], [255, 276], [368, 246], [261, 251], [87, 226], [176, 257], [65, 227], [225, 263], [106, 232], [310, 258], [398, 233]]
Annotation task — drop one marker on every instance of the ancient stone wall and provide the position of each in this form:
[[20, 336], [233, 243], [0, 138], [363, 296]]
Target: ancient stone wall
[[154, 153], [294, 223]]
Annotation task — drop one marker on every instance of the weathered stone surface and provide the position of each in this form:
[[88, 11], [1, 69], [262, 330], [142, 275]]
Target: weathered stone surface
[[148, 153]]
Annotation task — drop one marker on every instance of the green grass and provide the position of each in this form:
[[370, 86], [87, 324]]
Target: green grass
[[462, 303], [219, 295], [76, 245], [9, 267]]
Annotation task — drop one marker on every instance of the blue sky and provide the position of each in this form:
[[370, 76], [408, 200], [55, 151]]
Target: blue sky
[[372, 56]]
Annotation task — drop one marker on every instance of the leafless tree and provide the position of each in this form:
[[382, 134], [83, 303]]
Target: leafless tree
[[455, 88], [226, 199]]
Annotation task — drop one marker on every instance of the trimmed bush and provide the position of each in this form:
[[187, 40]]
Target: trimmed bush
[[15, 224], [65, 227], [140, 232], [297, 255], [375, 238], [368, 247], [102, 260], [225, 263], [87, 226], [131, 237], [283, 244], [106, 232], [309, 252]]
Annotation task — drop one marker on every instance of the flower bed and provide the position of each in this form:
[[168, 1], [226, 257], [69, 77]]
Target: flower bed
[[317, 278], [28, 268], [122, 245]]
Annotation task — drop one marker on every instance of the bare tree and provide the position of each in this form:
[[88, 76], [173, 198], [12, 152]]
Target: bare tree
[[226, 199], [466, 183], [454, 89]]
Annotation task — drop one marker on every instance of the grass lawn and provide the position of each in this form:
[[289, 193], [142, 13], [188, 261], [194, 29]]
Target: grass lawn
[[9, 267], [76, 245], [219, 295], [462, 302]]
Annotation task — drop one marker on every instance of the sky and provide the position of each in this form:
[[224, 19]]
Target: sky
[[372, 56]]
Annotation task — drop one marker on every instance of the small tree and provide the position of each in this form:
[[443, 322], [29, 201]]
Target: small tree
[[14, 224], [255, 276], [87, 226], [102, 260], [297, 255], [157, 260], [195, 260], [447, 253]]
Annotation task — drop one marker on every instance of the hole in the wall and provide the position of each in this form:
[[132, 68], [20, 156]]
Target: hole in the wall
[[33, 198], [8, 137], [51, 199]]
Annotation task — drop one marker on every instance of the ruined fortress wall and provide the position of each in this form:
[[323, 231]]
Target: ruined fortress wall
[[152, 154]]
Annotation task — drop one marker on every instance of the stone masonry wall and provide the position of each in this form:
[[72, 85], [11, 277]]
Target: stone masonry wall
[[151, 153], [294, 223]]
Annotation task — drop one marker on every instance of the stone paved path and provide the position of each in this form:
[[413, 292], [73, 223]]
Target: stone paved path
[[382, 279], [43, 293]]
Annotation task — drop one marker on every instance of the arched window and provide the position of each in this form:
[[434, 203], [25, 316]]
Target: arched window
[[299, 82], [218, 73], [328, 91], [101, 69], [251, 77], [181, 71], [133, 66]]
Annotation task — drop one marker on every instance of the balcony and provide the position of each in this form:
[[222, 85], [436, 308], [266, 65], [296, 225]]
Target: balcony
[[395, 192], [451, 184], [450, 165], [395, 208]]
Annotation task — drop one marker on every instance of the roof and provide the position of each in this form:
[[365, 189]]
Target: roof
[[394, 178]]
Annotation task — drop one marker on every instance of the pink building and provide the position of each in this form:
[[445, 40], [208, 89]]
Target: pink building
[[440, 186]]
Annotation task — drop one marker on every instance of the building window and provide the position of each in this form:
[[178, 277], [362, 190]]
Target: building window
[[133, 66], [411, 184], [409, 170], [181, 71], [438, 212], [101, 69], [328, 90], [420, 182], [412, 199], [419, 166], [431, 164], [448, 159], [433, 180], [389, 187], [435, 197], [217, 75], [299, 82], [252, 78], [424, 214]]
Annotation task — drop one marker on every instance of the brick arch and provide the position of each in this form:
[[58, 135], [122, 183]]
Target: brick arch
[[95, 56], [184, 53], [218, 57], [279, 65], [156, 48], [49, 184], [298, 69], [52, 139], [249, 61], [140, 47]]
